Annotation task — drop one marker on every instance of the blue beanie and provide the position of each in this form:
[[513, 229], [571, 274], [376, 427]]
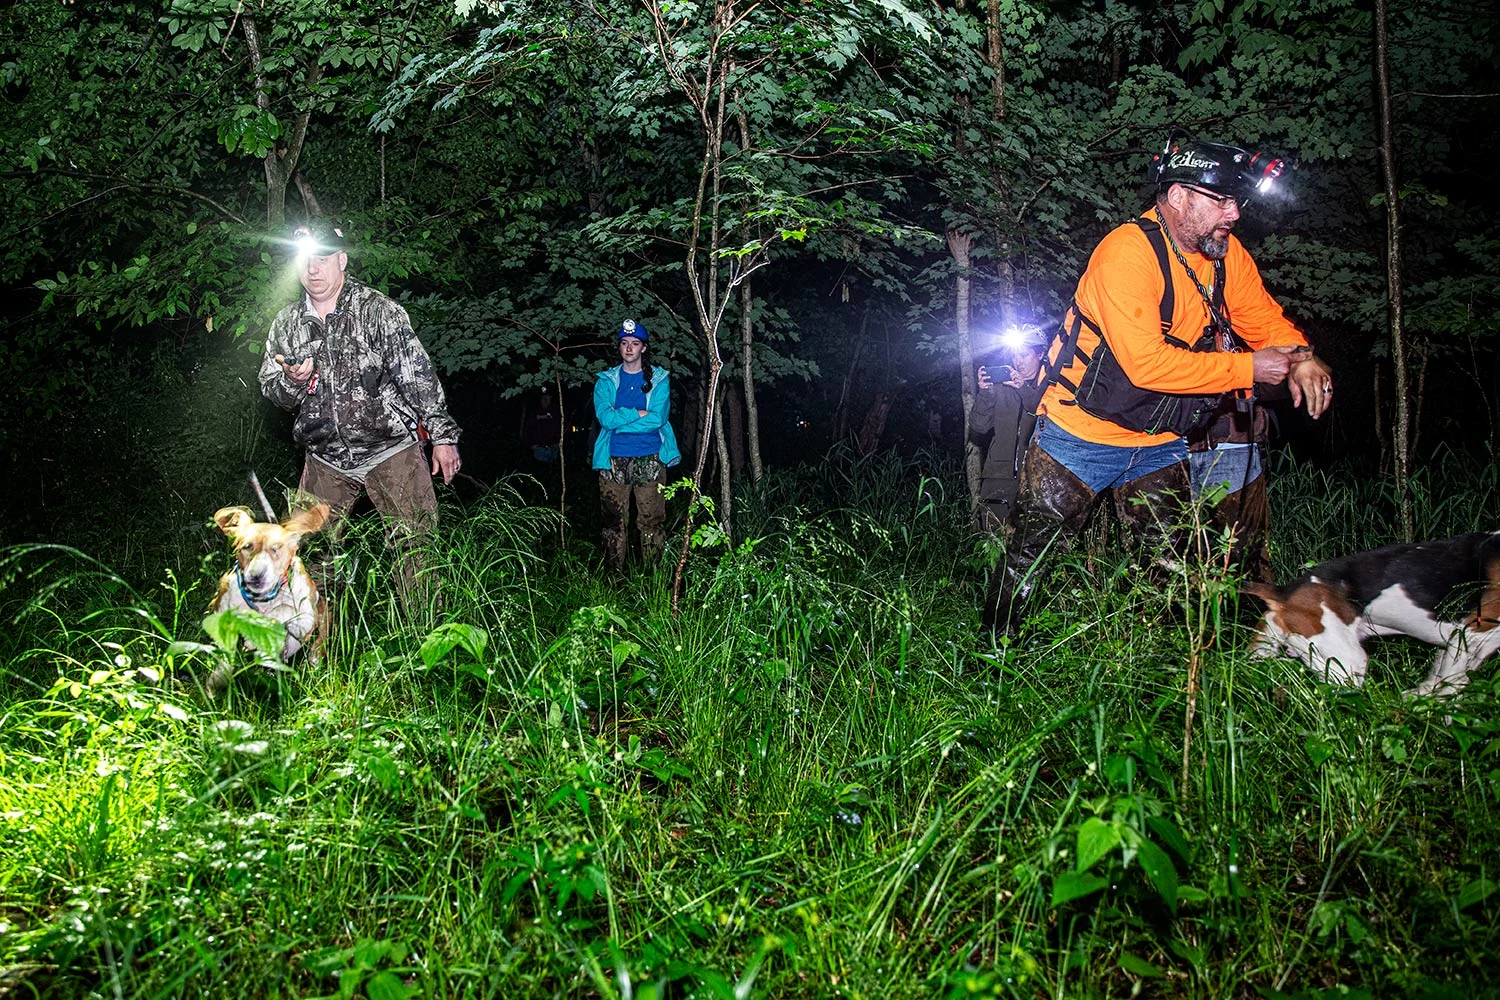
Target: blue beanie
[[633, 328]]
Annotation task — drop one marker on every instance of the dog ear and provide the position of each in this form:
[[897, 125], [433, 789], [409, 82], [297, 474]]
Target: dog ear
[[1264, 592], [232, 519], [305, 522]]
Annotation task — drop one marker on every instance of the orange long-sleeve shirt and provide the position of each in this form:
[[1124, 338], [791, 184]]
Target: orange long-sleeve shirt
[[1121, 292]]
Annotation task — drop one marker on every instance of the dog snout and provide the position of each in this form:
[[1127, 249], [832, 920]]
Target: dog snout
[[260, 571]]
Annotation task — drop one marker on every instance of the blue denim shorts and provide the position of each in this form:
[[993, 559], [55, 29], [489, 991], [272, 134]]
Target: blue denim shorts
[[1235, 466], [1101, 466]]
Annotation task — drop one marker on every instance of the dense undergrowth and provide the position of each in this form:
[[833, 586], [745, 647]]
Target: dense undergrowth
[[818, 780]]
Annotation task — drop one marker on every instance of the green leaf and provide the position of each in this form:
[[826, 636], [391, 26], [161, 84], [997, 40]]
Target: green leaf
[[1075, 885], [387, 986], [1192, 894], [445, 638], [1318, 751], [384, 770], [225, 628], [1120, 770], [1137, 966], [368, 953], [1096, 838], [1166, 831], [1158, 868], [1476, 891], [622, 651]]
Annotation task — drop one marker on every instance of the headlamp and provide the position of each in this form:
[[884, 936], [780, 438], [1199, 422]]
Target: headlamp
[[1227, 170], [1265, 168], [1024, 335], [314, 241]]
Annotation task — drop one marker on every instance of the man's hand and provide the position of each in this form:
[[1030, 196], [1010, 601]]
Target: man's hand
[[1272, 364], [983, 378], [298, 373], [642, 413], [1311, 380], [445, 460]]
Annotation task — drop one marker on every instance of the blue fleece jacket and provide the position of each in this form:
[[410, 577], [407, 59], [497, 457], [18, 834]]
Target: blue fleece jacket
[[612, 419]]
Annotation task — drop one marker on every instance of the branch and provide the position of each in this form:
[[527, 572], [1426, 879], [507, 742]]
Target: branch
[[252, 39], [305, 188], [299, 131], [120, 183], [1425, 93]]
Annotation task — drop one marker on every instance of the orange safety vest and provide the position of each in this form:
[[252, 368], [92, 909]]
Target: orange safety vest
[[1139, 359]]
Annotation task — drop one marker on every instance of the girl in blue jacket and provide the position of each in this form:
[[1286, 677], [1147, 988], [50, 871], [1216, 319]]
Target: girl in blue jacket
[[635, 446]]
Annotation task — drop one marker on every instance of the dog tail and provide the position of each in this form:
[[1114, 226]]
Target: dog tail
[[1265, 592]]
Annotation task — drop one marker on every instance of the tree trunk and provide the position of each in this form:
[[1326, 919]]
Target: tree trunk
[[1424, 356], [704, 286], [309, 198], [841, 412], [726, 469], [281, 158], [1004, 269], [996, 58], [747, 340], [734, 426], [562, 457], [1400, 432], [960, 244], [874, 426], [1382, 438], [747, 368]]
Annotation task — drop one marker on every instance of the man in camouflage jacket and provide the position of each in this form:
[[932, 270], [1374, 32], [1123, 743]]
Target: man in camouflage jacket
[[344, 358]]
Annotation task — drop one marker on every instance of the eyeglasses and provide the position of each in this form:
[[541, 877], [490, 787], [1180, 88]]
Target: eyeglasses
[[1224, 201]]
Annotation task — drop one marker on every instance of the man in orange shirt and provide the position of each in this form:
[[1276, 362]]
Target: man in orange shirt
[[1170, 317]]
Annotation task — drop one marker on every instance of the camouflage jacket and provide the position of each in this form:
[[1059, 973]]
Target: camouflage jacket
[[374, 379]]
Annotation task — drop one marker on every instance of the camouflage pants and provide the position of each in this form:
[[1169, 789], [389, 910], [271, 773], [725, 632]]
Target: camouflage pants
[[641, 477], [401, 490]]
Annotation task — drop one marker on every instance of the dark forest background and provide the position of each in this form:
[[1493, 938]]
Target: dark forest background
[[844, 203]]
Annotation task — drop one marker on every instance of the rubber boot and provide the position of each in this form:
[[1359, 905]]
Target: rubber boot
[[1051, 508], [1248, 513], [1153, 509], [615, 507]]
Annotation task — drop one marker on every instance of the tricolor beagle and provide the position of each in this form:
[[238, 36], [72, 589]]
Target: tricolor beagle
[[268, 577], [1446, 593]]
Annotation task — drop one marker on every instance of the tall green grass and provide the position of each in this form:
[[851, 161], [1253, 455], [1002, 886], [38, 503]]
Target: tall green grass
[[816, 781]]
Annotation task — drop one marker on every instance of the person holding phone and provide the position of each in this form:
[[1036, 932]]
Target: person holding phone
[[1002, 421]]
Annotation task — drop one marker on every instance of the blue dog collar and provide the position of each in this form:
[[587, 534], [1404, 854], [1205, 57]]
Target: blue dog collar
[[251, 598]]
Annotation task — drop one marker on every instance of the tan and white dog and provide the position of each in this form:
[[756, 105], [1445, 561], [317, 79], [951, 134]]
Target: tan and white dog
[[1445, 592], [268, 576]]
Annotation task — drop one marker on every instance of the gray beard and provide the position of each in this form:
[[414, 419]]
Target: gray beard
[[1211, 248]]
